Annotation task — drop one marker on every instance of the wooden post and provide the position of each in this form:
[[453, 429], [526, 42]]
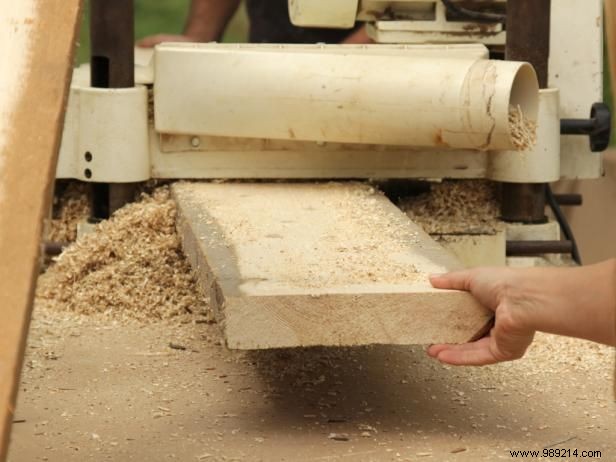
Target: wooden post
[[37, 41]]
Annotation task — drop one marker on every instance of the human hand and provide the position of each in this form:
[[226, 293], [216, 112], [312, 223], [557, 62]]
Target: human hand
[[510, 336], [576, 302], [153, 40], [358, 37]]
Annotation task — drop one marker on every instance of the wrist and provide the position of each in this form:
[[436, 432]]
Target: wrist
[[208, 18], [543, 299], [611, 264], [522, 297], [196, 32], [576, 302], [595, 300]]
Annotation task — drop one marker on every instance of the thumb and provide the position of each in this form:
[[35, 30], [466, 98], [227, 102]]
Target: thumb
[[458, 280], [148, 42]]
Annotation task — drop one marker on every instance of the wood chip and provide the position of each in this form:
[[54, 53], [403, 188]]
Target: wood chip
[[338, 436], [454, 207], [71, 207], [523, 130], [176, 346], [130, 267]]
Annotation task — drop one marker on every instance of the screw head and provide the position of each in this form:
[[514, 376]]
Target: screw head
[[195, 142]]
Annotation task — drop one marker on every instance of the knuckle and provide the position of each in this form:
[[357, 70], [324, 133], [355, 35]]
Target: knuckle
[[506, 320]]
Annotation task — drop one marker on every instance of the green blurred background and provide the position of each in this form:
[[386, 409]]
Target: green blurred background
[[169, 16]]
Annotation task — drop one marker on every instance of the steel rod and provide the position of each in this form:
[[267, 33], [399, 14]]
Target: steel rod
[[528, 35], [569, 199], [112, 65], [523, 202], [54, 248], [528, 39], [112, 36], [533, 248]]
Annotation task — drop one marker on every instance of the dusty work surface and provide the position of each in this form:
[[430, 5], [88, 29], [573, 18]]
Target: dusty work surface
[[303, 264], [122, 378], [93, 390]]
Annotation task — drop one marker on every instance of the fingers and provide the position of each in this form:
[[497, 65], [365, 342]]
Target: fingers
[[434, 350], [153, 40], [148, 42], [496, 348], [459, 280], [469, 354]]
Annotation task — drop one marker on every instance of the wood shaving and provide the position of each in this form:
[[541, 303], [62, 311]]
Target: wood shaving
[[130, 267], [523, 130], [73, 207], [456, 207]]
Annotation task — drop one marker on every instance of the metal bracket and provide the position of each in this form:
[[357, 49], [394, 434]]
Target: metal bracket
[[105, 136]]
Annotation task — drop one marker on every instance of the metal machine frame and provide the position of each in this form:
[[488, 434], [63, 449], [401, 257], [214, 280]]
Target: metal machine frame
[[115, 135], [165, 155]]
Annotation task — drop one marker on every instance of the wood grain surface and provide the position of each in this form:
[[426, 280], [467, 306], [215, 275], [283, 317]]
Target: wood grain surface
[[37, 40], [295, 265]]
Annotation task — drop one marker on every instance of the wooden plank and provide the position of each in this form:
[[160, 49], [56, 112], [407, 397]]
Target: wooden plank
[[37, 38], [294, 265]]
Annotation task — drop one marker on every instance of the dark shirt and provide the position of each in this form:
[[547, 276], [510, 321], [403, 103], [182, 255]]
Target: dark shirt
[[270, 23]]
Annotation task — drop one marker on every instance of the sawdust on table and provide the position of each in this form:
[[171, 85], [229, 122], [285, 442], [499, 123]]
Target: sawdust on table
[[523, 130], [73, 206], [455, 207], [359, 404], [130, 267]]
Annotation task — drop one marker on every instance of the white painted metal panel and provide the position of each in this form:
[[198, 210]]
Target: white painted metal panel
[[105, 136], [576, 68]]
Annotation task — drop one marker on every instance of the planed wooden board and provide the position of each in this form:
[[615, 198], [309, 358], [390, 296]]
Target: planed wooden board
[[37, 40], [295, 265]]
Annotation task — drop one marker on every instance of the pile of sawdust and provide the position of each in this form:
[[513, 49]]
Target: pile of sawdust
[[73, 206], [455, 207], [130, 267], [523, 130]]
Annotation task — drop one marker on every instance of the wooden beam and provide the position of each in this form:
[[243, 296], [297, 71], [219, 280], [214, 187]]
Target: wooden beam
[[296, 265], [37, 40]]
